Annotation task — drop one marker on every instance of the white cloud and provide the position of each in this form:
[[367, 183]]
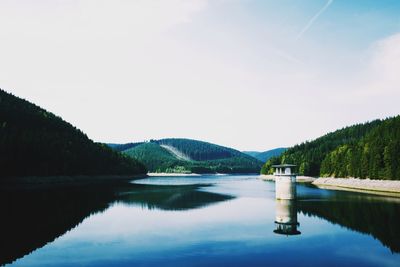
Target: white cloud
[[378, 77], [384, 71]]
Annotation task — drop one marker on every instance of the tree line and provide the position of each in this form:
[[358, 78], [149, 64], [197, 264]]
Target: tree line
[[377, 155]]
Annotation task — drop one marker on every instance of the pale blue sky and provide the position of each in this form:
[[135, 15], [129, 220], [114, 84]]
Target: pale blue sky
[[249, 74]]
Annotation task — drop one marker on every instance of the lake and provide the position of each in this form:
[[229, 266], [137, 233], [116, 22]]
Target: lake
[[221, 220]]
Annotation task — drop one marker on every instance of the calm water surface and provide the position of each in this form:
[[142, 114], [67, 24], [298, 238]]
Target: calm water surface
[[197, 221]]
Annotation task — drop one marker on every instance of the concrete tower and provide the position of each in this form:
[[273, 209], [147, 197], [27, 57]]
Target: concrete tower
[[285, 181]]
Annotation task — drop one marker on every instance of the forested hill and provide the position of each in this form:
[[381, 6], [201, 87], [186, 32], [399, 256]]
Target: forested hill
[[180, 155], [34, 142], [369, 150], [199, 150]]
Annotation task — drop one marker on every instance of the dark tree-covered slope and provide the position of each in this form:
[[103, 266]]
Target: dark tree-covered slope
[[369, 150], [377, 155], [34, 142], [199, 157]]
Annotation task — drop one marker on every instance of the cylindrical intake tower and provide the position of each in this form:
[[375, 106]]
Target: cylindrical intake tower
[[285, 181]]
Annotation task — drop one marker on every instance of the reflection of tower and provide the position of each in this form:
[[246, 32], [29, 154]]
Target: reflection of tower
[[285, 181], [286, 217]]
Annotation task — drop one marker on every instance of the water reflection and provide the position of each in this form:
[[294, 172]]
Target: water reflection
[[286, 217], [374, 215], [33, 217], [170, 197]]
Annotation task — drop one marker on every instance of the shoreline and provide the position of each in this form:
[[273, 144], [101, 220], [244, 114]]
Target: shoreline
[[369, 186], [79, 180], [299, 179], [83, 180], [387, 187], [167, 174]]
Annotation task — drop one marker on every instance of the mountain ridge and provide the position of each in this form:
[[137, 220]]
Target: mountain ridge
[[184, 155], [266, 155]]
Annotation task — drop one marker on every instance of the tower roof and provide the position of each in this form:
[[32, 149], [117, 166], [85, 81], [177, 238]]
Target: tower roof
[[284, 166]]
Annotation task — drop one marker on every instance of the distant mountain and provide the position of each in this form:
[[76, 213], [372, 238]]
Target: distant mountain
[[369, 150], [266, 155], [35, 142], [251, 153], [178, 155]]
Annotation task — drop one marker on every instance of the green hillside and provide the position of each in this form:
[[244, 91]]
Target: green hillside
[[266, 155], [34, 142], [153, 156], [369, 150], [191, 156], [199, 150]]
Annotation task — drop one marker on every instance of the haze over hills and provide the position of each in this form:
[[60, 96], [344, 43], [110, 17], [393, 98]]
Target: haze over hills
[[35, 142], [266, 155], [178, 155], [368, 150]]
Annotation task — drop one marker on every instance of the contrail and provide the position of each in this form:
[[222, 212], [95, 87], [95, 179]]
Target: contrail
[[314, 18]]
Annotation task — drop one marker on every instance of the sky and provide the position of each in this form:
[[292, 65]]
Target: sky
[[252, 75]]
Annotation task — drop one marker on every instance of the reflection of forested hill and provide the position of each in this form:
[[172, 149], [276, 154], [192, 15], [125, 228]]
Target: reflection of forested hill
[[374, 217], [170, 197], [34, 217]]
